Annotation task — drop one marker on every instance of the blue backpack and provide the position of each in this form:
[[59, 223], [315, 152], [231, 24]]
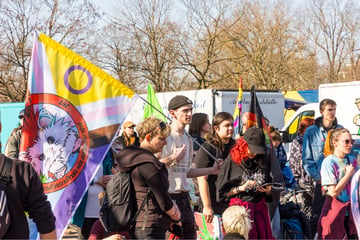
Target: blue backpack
[[291, 229]]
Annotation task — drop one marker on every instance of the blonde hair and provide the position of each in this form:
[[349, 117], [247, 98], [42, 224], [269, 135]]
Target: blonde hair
[[333, 136], [236, 219], [152, 126]]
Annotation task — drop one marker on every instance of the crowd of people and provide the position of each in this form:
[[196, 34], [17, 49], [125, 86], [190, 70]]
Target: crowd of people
[[232, 176]]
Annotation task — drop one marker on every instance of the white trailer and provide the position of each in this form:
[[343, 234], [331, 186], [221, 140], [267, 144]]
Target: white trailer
[[345, 94], [212, 101]]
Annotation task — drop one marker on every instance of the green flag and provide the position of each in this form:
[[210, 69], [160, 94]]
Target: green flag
[[150, 110]]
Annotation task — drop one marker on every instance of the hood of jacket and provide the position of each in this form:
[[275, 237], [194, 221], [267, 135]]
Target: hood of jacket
[[319, 122], [132, 156]]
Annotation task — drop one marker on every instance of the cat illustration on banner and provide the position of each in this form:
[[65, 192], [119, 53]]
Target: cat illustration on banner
[[55, 144]]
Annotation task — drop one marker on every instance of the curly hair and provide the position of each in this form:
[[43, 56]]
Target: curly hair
[[239, 151], [236, 219], [152, 126]]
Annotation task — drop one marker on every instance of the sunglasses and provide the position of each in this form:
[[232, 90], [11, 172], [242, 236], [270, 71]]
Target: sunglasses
[[161, 126], [348, 141]]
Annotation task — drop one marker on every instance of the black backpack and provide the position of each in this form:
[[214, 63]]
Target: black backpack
[[119, 209], [4, 209]]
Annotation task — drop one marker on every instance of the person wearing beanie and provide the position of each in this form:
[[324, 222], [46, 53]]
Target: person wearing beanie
[[13, 144], [177, 156]]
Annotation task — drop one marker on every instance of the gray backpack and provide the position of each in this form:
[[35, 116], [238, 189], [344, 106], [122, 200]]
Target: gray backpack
[[4, 209]]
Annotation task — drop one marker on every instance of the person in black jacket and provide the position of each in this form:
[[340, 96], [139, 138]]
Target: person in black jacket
[[148, 173], [25, 193], [242, 180], [218, 144]]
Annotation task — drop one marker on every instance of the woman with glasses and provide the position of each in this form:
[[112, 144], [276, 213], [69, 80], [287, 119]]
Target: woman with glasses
[[218, 143], [244, 180], [149, 174], [337, 169]]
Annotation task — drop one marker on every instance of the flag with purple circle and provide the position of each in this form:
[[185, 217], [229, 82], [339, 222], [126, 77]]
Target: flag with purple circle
[[73, 111]]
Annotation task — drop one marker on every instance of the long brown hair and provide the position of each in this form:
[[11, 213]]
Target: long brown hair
[[213, 137], [274, 133], [198, 120]]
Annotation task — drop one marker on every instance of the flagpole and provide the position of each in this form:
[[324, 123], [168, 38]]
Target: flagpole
[[192, 139], [240, 107]]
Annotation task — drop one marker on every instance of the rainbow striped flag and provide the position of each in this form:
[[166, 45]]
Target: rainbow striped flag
[[72, 113], [238, 110]]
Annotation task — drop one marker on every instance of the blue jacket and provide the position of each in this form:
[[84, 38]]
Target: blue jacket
[[284, 165], [313, 147]]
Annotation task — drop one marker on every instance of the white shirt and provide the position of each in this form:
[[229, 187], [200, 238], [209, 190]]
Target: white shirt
[[178, 172]]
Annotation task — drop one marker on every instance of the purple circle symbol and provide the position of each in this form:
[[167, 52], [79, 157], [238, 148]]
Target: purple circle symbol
[[67, 84]]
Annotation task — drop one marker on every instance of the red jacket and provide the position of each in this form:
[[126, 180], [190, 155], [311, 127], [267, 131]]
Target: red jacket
[[260, 226], [332, 218]]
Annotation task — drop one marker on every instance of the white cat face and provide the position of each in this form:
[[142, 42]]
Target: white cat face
[[55, 143]]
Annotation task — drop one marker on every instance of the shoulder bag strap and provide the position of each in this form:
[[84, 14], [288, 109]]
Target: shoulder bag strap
[[141, 207]]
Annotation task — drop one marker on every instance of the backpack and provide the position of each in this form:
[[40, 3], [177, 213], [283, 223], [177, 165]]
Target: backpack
[[4, 209], [291, 229], [119, 209], [294, 223]]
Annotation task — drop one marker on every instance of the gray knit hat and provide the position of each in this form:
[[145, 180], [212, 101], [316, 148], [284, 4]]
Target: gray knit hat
[[178, 101]]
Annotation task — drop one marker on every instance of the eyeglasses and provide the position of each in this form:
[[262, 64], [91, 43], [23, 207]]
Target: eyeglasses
[[161, 126], [348, 141]]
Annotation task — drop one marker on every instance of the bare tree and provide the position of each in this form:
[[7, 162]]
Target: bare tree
[[116, 55], [152, 53], [269, 52], [332, 29], [202, 45], [353, 44], [67, 23]]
